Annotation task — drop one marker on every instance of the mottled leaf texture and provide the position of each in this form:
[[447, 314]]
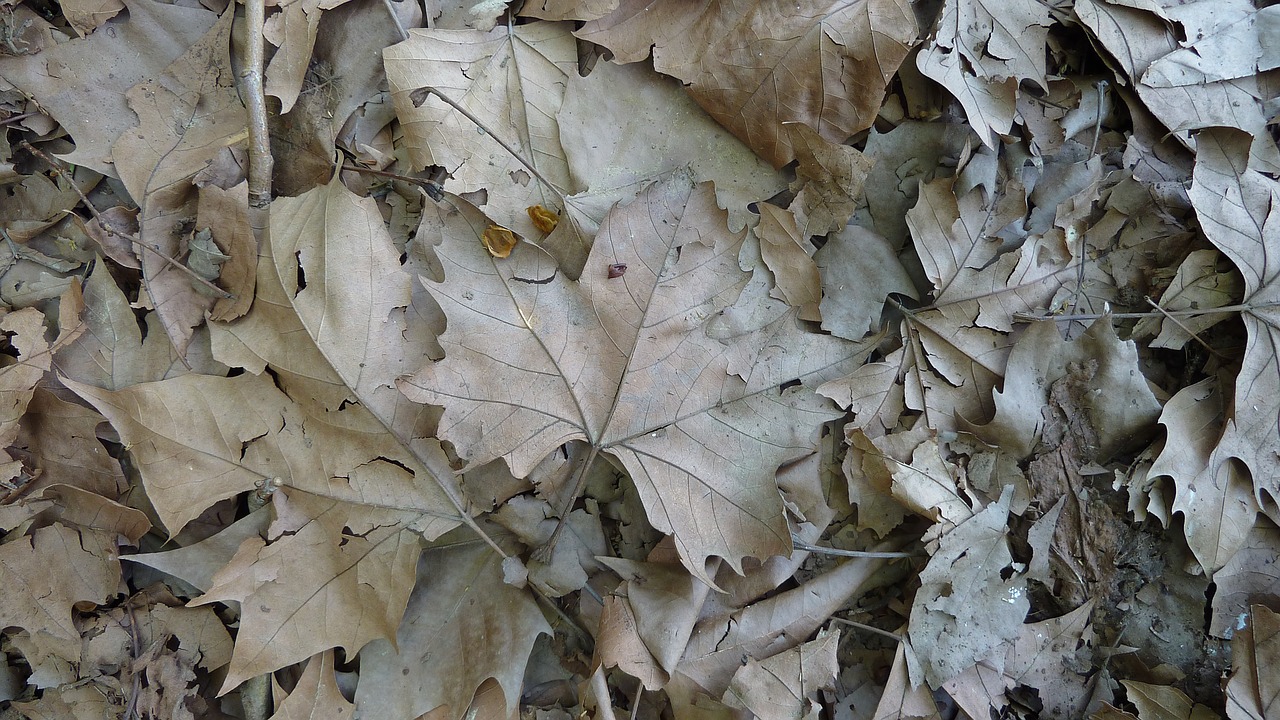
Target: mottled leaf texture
[[757, 65], [462, 626], [646, 367], [1237, 207]]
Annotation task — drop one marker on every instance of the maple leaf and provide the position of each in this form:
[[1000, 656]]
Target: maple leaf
[[753, 67], [646, 367], [1237, 205]]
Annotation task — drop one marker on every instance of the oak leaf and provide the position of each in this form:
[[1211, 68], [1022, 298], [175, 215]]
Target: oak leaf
[[648, 368]]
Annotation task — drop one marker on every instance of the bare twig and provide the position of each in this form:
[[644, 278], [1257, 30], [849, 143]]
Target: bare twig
[[850, 553], [1194, 336], [1224, 310], [255, 101], [869, 628], [107, 227], [404, 35], [600, 688]]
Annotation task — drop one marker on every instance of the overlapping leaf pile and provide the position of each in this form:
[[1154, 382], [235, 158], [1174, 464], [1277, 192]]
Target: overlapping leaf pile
[[832, 365]]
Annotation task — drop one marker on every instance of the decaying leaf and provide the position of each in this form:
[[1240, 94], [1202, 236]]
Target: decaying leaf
[[637, 366]]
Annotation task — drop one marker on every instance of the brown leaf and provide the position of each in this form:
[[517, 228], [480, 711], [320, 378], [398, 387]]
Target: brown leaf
[[829, 179], [754, 69], [463, 606], [1252, 689], [784, 251], [350, 589], [786, 685], [632, 366], [40, 601], [186, 116], [81, 83], [226, 213]]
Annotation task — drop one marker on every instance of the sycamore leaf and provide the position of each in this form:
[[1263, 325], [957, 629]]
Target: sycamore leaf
[[463, 625], [1251, 575], [186, 117], [753, 68], [82, 83], [644, 367], [40, 601], [979, 53], [1237, 207], [293, 30], [1253, 689], [785, 686], [317, 694], [334, 575], [971, 601]]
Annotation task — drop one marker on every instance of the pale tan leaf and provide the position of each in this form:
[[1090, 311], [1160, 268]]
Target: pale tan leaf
[[625, 125], [785, 686], [1198, 285], [664, 602], [86, 16], [513, 81], [1236, 206], [870, 478], [48, 572], [568, 9], [901, 699], [633, 366], [1164, 702], [1231, 40], [226, 213], [196, 564], [351, 588], [1250, 576], [60, 438], [796, 279], [618, 644], [971, 601], [461, 606], [1252, 690], [980, 51], [113, 354], [1049, 655], [19, 377], [829, 179], [929, 487], [859, 271], [186, 117], [754, 69], [1121, 407], [82, 83], [316, 695]]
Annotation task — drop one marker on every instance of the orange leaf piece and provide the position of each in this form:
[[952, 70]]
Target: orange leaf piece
[[543, 219], [499, 241]]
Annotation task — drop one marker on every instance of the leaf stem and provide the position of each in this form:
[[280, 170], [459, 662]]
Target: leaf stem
[[869, 628], [851, 553], [1224, 310]]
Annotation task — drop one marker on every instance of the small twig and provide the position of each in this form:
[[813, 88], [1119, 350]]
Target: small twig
[[851, 553], [1194, 336], [17, 118], [106, 226], [431, 187], [255, 102], [600, 688], [869, 628], [510, 150], [1224, 310], [1101, 85]]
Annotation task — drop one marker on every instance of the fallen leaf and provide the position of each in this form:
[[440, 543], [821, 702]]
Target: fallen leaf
[[499, 241], [186, 116], [1251, 691], [462, 605], [786, 685], [41, 602], [316, 694], [754, 69], [631, 366]]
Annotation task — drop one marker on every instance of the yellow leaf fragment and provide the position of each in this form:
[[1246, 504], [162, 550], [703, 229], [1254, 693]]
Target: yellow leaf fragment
[[499, 241], [543, 219]]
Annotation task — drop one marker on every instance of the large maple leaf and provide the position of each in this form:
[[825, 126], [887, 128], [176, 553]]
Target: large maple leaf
[[652, 367]]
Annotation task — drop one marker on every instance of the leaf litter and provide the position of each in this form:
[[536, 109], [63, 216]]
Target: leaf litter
[[637, 358]]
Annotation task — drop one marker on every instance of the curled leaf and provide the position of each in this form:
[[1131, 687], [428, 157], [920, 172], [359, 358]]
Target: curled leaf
[[543, 219], [499, 241]]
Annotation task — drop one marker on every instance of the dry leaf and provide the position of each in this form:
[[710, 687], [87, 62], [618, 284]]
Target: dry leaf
[[785, 686], [753, 68], [499, 241], [40, 601], [633, 366]]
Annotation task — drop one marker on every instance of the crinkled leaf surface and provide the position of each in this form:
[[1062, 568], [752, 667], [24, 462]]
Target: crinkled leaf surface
[[756, 65], [643, 367], [462, 626]]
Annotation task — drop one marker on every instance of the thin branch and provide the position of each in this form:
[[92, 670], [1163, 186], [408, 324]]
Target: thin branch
[[1194, 335], [869, 628], [404, 35], [1224, 310], [850, 553], [107, 228], [255, 101]]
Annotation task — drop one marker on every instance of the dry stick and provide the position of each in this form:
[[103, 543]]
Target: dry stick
[[1194, 336], [396, 19], [255, 101], [106, 226], [850, 553], [1224, 310], [869, 628]]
